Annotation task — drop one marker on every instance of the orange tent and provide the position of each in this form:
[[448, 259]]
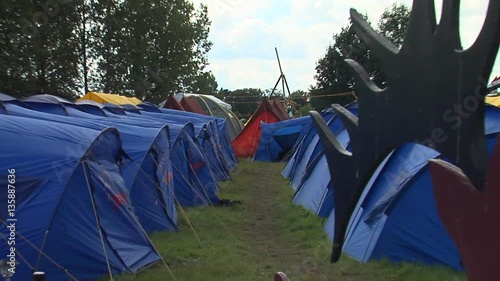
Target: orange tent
[[192, 105], [246, 143], [172, 103]]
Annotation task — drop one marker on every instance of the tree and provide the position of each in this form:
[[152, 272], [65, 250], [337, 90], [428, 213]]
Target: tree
[[333, 75], [244, 101], [299, 97], [39, 48], [204, 83], [145, 48], [393, 23], [334, 78]]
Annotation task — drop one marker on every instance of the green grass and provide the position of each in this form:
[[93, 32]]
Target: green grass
[[264, 235]]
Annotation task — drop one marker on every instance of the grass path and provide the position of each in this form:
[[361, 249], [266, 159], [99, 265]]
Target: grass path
[[263, 235]]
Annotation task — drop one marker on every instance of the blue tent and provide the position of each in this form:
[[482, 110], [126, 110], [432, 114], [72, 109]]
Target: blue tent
[[311, 149], [194, 182], [315, 190], [216, 127], [309, 143], [208, 137], [227, 149], [279, 138], [74, 219], [396, 217], [192, 173], [205, 127], [145, 176]]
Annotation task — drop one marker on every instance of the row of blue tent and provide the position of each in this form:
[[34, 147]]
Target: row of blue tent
[[396, 217], [91, 181]]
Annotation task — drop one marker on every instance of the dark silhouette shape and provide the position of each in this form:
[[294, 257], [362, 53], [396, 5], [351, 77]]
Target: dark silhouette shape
[[434, 96]]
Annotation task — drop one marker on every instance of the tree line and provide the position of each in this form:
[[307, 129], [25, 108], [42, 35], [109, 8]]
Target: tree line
[[152, 48], [142, 48]]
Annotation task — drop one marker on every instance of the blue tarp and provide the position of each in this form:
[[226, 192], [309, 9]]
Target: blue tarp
[[65, 177]]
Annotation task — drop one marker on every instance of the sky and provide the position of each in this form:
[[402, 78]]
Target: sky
[[245, 32]]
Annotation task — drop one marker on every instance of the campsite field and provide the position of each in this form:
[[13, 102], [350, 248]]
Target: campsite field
[[263, 235]]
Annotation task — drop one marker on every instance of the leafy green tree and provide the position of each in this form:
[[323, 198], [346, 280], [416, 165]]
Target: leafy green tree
[[393, 23], [204, 83], [333, 75], [39, 48], [110, 47], [304, 110], [334, 78], [299, 97], [244, 101], [144, 48]]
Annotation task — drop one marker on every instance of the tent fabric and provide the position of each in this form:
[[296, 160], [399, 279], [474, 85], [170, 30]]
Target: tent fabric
[[219, 102], [195, 183], [192, 172], [110, 98], [308, 139], [207, 137], [148, 149], [90, 107], [192, 105], [315, 189], [495, 100], [149, 107], [279, 138], [220, 109], [172, 103], [311, 149], [246, 143], [223, 136], [201, 176], [206, 105], [193, 180], [280, 109], [60, 202], [396, 217]]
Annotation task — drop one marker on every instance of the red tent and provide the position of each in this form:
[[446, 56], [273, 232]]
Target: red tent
[[172, 103], [246, 143], [192, 105]]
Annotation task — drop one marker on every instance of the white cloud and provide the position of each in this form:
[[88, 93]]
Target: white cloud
[[245, 34]]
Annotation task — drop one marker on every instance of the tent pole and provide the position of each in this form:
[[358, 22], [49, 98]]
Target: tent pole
[[98, 224]]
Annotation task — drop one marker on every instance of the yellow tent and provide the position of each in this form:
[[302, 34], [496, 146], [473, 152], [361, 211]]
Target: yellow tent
[[110, 98], [493, 100]]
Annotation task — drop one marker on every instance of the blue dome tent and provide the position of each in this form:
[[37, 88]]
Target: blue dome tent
[[151, 194], [194, 183], [279, 138], [310, 152], [192, 173], [315, 190], [73, 220], [396, 217], [206, 130]]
